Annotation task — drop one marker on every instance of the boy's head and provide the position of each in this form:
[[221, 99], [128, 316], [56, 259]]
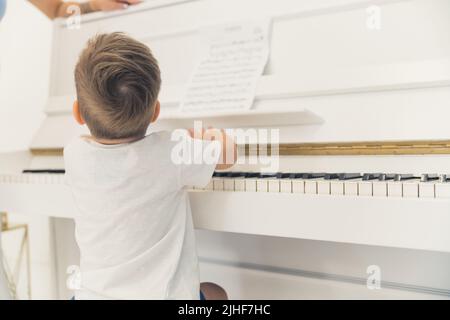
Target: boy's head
[[118, 82]]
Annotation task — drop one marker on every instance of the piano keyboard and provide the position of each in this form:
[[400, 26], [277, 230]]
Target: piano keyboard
[[33, 178], [334, 184]]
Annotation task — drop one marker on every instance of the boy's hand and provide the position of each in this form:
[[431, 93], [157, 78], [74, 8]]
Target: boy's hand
[[228, 156]]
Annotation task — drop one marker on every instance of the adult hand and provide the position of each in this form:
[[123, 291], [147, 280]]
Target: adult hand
[[110, 5]]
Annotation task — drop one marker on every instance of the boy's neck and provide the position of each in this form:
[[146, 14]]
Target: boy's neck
[[112, 141]]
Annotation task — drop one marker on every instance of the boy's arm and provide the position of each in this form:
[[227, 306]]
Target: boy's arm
[[229, 148], [58, 8]]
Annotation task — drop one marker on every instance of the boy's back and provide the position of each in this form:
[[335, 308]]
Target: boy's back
[[134, 225]]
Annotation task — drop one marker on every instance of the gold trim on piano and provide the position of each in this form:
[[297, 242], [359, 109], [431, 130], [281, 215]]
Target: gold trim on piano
[[360, 148], [417, 147], [47, 152]]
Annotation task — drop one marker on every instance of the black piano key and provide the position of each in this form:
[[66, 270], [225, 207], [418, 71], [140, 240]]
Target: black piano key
[[387, 176], [405, 177], [308, 176], [235, 174], [429, 177], [350, 176], [251, 175], [219, 174], [286, 175], [371, 176], [268, 175], [331, 176], [297, 175], [45, 171]]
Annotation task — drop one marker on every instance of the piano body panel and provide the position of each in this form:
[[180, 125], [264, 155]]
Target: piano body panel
[[388, 222], [415, 164], [384, 91], [14, 162], [248, 281], [376, 116], [329, 79], [402, 269], [336, 26], [262, 267], [47, 200], [254, 228]]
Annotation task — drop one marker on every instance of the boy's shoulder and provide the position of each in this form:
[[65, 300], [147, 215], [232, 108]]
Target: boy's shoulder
[[73, 145], [84, 143]]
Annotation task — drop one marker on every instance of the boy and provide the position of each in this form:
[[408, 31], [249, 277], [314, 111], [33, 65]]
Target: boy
[[134, 226]]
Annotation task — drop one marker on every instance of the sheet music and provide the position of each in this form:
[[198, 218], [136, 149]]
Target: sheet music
[[227, 74]]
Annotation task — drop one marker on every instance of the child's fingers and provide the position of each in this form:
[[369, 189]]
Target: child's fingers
[[191, 132], [196, 134]]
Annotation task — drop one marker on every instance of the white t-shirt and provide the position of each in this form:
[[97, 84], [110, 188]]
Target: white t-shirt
[[134, 226]]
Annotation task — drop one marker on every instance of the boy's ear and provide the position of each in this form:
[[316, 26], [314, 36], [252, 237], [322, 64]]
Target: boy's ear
[[77, 114], [156, 112]]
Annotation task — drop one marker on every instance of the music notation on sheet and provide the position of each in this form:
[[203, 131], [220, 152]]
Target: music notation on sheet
[[226, 76]]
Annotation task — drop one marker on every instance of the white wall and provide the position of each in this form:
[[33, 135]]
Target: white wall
[[25, 43]]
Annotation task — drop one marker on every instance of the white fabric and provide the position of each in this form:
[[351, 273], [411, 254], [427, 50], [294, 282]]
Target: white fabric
[[134, 226]]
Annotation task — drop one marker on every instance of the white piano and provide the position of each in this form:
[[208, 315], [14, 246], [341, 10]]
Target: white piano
[[364, 176]]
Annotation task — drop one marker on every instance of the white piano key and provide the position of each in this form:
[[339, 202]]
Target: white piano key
[[379, 189], [250, 185], [442, 190], [323, 187], [286, 186], [298, 186], [261, 185], [427, 190], [410, 190], [54, 179], [311, 187], [365, 188], [239, 184], [395, 189], [351, 188], [273, 185], [228, 184], [210, 185], [218, 184], [337, 188]]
